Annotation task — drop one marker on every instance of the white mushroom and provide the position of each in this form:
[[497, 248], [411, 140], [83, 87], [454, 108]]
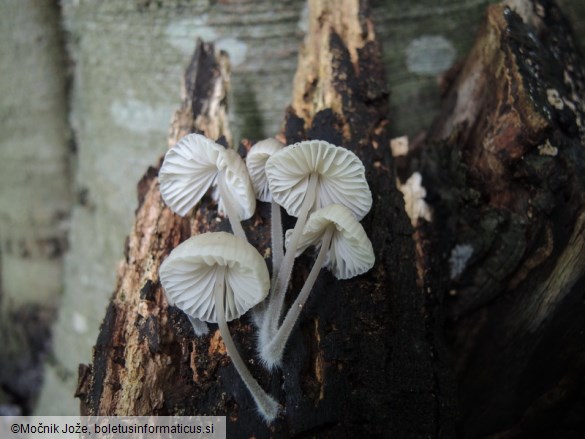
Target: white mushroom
[[344, 248], [217, 277], [195, 164], [256, 163], [336, 173], [302, 178]]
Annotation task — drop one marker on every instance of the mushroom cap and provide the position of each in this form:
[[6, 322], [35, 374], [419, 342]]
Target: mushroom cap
[[256, 163], [350, 253], [188, 275], [238, 179], [193, 165], [341, 177]]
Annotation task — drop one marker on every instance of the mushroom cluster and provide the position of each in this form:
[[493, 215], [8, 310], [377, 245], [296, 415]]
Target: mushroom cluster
[[217, 277]]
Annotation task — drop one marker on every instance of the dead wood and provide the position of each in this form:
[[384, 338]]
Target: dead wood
[[504, 167], [362, 362]]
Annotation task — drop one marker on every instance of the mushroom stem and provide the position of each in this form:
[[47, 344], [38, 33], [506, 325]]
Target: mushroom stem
[[272, 352], [276, 301], [199, 326], [277, 240], [230, 209], [267, 406]]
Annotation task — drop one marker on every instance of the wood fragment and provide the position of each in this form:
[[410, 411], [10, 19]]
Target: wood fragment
[[515, 305]]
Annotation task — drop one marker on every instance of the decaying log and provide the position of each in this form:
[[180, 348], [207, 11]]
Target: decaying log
[[362, 361], [142, 354], [504, 167]]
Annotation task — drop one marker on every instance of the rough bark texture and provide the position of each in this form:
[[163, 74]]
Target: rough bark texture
[[141, 347], [362, 361], [504, 167]]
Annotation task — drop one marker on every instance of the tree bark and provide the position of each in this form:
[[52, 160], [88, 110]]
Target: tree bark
[[504, 167], [35, 197], [363, 360]]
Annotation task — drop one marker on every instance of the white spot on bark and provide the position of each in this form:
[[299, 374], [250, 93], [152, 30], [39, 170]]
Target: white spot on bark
[[459, 258], [236, 49], [554, 98], [182, 34], [79, 323], [547, 149], [138, 116], [429, 55], [303, 23]]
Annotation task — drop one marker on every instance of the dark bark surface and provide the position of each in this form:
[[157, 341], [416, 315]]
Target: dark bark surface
[[504, 168], [362, 361]]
